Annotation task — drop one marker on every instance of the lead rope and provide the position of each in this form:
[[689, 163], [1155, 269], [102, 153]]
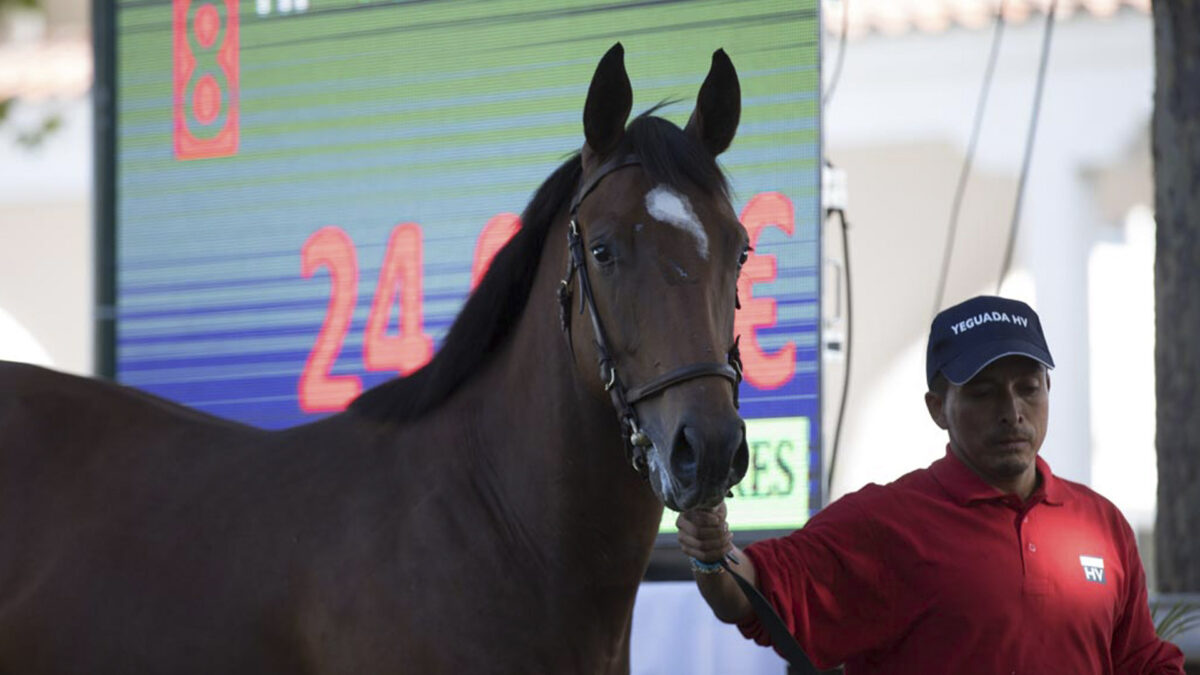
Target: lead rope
[[781, 637]]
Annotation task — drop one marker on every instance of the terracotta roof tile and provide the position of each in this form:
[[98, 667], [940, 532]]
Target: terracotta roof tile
[[897, 17]]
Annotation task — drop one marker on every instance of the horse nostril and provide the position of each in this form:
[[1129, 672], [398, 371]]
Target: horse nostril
[[683, 452]]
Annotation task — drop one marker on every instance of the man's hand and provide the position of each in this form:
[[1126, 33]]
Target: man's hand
[[704, 534]]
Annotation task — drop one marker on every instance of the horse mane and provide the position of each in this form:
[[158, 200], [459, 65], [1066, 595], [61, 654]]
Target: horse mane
[[667, 154]]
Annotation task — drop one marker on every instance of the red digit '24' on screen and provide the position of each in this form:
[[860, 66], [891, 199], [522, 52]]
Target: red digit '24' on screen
[[206, 78], [403, 346]]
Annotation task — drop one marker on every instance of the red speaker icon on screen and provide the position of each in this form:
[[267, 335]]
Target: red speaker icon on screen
[[206, 78]]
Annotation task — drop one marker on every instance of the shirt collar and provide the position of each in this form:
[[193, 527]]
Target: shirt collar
[[964, 487]]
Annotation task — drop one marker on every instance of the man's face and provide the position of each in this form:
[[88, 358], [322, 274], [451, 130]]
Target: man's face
[[997, 420]]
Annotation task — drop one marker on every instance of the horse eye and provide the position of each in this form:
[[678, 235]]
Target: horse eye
[[602, 255], [744, 256]]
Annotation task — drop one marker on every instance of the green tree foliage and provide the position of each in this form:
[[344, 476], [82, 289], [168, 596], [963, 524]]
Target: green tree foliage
[[1175, 620], [29, 135]]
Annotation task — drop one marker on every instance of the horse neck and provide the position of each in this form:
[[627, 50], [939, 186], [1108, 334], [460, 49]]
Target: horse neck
[[564, 453], [526, 467]]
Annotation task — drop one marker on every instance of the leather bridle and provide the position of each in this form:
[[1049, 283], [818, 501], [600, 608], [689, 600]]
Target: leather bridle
[[637, 443]]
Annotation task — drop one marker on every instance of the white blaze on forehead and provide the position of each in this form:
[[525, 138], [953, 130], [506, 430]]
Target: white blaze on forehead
[[668, 206]]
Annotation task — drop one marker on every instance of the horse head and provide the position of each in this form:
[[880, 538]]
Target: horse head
[[660, 248]]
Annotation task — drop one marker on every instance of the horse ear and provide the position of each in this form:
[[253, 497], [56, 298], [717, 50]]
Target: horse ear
[[609, 100], [718, 107]]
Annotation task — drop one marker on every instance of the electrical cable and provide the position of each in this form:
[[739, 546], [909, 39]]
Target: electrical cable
[[826, 97], [841, 56], [846, 349], [1047, 35], [955, 209], [965, 172]]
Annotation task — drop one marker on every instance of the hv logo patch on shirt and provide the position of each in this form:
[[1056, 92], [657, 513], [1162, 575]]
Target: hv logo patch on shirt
[[1093, 568]]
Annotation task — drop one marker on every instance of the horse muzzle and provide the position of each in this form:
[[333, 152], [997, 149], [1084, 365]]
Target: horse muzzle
[[706, 456]]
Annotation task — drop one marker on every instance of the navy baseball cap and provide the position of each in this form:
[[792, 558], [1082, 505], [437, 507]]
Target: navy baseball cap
[[965, 338]]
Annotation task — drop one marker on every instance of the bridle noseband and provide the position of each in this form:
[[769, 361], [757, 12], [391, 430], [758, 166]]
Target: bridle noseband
[[637, 443]]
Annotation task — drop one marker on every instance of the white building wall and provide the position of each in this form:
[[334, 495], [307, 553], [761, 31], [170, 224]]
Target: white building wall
[[46, 261], [921, 90]]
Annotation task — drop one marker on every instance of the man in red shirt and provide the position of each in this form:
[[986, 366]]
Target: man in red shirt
[[984, 562]]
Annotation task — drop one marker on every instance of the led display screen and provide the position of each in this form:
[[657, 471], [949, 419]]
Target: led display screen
[[305, 191]]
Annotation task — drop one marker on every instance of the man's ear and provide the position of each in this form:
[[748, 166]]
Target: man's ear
[[933, 403]]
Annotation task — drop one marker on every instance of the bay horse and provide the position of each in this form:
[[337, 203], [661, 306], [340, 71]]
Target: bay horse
[[493, 512]]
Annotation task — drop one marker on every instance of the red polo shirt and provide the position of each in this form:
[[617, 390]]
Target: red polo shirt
[[939, 572]]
